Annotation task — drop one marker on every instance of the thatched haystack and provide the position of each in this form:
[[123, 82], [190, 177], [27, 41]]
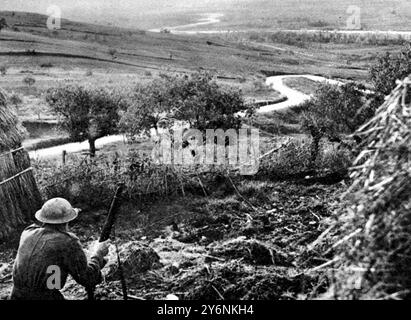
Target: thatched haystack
[[11, 132], [19, 195], [375, 248]]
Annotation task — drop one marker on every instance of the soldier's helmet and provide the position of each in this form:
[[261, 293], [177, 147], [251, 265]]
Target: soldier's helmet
[[57, 211]]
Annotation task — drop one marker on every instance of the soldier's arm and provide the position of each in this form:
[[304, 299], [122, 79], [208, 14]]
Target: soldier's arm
[[85, 272]]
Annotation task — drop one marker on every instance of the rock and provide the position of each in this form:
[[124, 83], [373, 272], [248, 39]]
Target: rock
[[135, 258]]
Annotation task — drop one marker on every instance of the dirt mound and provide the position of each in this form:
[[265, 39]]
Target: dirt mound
[[235, 281], [251, 251], [136, 258]]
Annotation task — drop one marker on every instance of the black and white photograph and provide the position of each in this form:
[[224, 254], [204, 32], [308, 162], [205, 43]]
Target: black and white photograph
[[176, 151]]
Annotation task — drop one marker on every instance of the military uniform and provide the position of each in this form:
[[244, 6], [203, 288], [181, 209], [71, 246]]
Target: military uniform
[[42, 247]]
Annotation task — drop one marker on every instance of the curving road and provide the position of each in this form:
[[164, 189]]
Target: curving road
[[294, 97], [210, 18]]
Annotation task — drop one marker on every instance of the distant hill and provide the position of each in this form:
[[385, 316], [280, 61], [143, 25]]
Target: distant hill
[[28, 42], [239, 14]]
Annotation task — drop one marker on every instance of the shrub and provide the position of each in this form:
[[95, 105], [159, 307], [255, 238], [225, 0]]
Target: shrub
[[46, 65], [3, 70], [91, 184], [387, 70], [333, 111], [3, 23], [259, 85], [293, 161], [29, 81], [15, 99], [112, 52]]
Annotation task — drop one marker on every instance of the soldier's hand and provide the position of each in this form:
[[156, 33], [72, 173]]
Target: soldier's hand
[[101, 248]]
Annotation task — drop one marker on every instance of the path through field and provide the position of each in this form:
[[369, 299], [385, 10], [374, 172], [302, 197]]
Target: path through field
[[56, 151]]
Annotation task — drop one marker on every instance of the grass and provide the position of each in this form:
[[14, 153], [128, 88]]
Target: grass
[[302, 84], [321, 14]]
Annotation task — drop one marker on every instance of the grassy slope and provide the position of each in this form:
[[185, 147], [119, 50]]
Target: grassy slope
[[89, 46], [316, 14]]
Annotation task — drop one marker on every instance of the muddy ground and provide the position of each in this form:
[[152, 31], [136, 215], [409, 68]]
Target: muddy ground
[[214, 247]]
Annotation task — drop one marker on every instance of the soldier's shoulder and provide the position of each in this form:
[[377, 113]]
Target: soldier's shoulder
[[32, 227], [65, 237], [71, 236]]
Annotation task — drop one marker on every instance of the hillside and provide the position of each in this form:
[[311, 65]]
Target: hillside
[[238, 14], [136, 49], [27, 45]]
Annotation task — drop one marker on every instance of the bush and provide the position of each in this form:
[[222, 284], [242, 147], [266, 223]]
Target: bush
[[3, 23], [333, 111], [15, 99], [112, 52], [387, 70], [290, 160], [293, 161], [29, 81], [46, 65], [91, 184], [3, 70]]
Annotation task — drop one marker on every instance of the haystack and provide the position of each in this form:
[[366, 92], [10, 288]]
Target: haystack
[[19, 195], [374, 250]]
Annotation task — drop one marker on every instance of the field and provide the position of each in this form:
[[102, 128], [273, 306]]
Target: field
[[215, 234]]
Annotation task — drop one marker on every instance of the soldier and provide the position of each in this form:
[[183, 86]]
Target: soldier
[[48, 253]]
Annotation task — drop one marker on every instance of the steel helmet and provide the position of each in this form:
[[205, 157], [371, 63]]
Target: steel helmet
[[56, 211]]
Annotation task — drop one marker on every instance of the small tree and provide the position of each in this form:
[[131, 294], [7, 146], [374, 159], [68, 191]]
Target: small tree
[[196, 99], [148, 105], [3, 23], [204, 105], [87, 114], [334, 110]]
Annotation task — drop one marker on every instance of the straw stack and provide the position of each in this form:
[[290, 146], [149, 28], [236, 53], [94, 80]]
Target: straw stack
[[19, 195], [375, 250]]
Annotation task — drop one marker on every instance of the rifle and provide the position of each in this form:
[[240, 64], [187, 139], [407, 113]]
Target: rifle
[[105, 235]]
